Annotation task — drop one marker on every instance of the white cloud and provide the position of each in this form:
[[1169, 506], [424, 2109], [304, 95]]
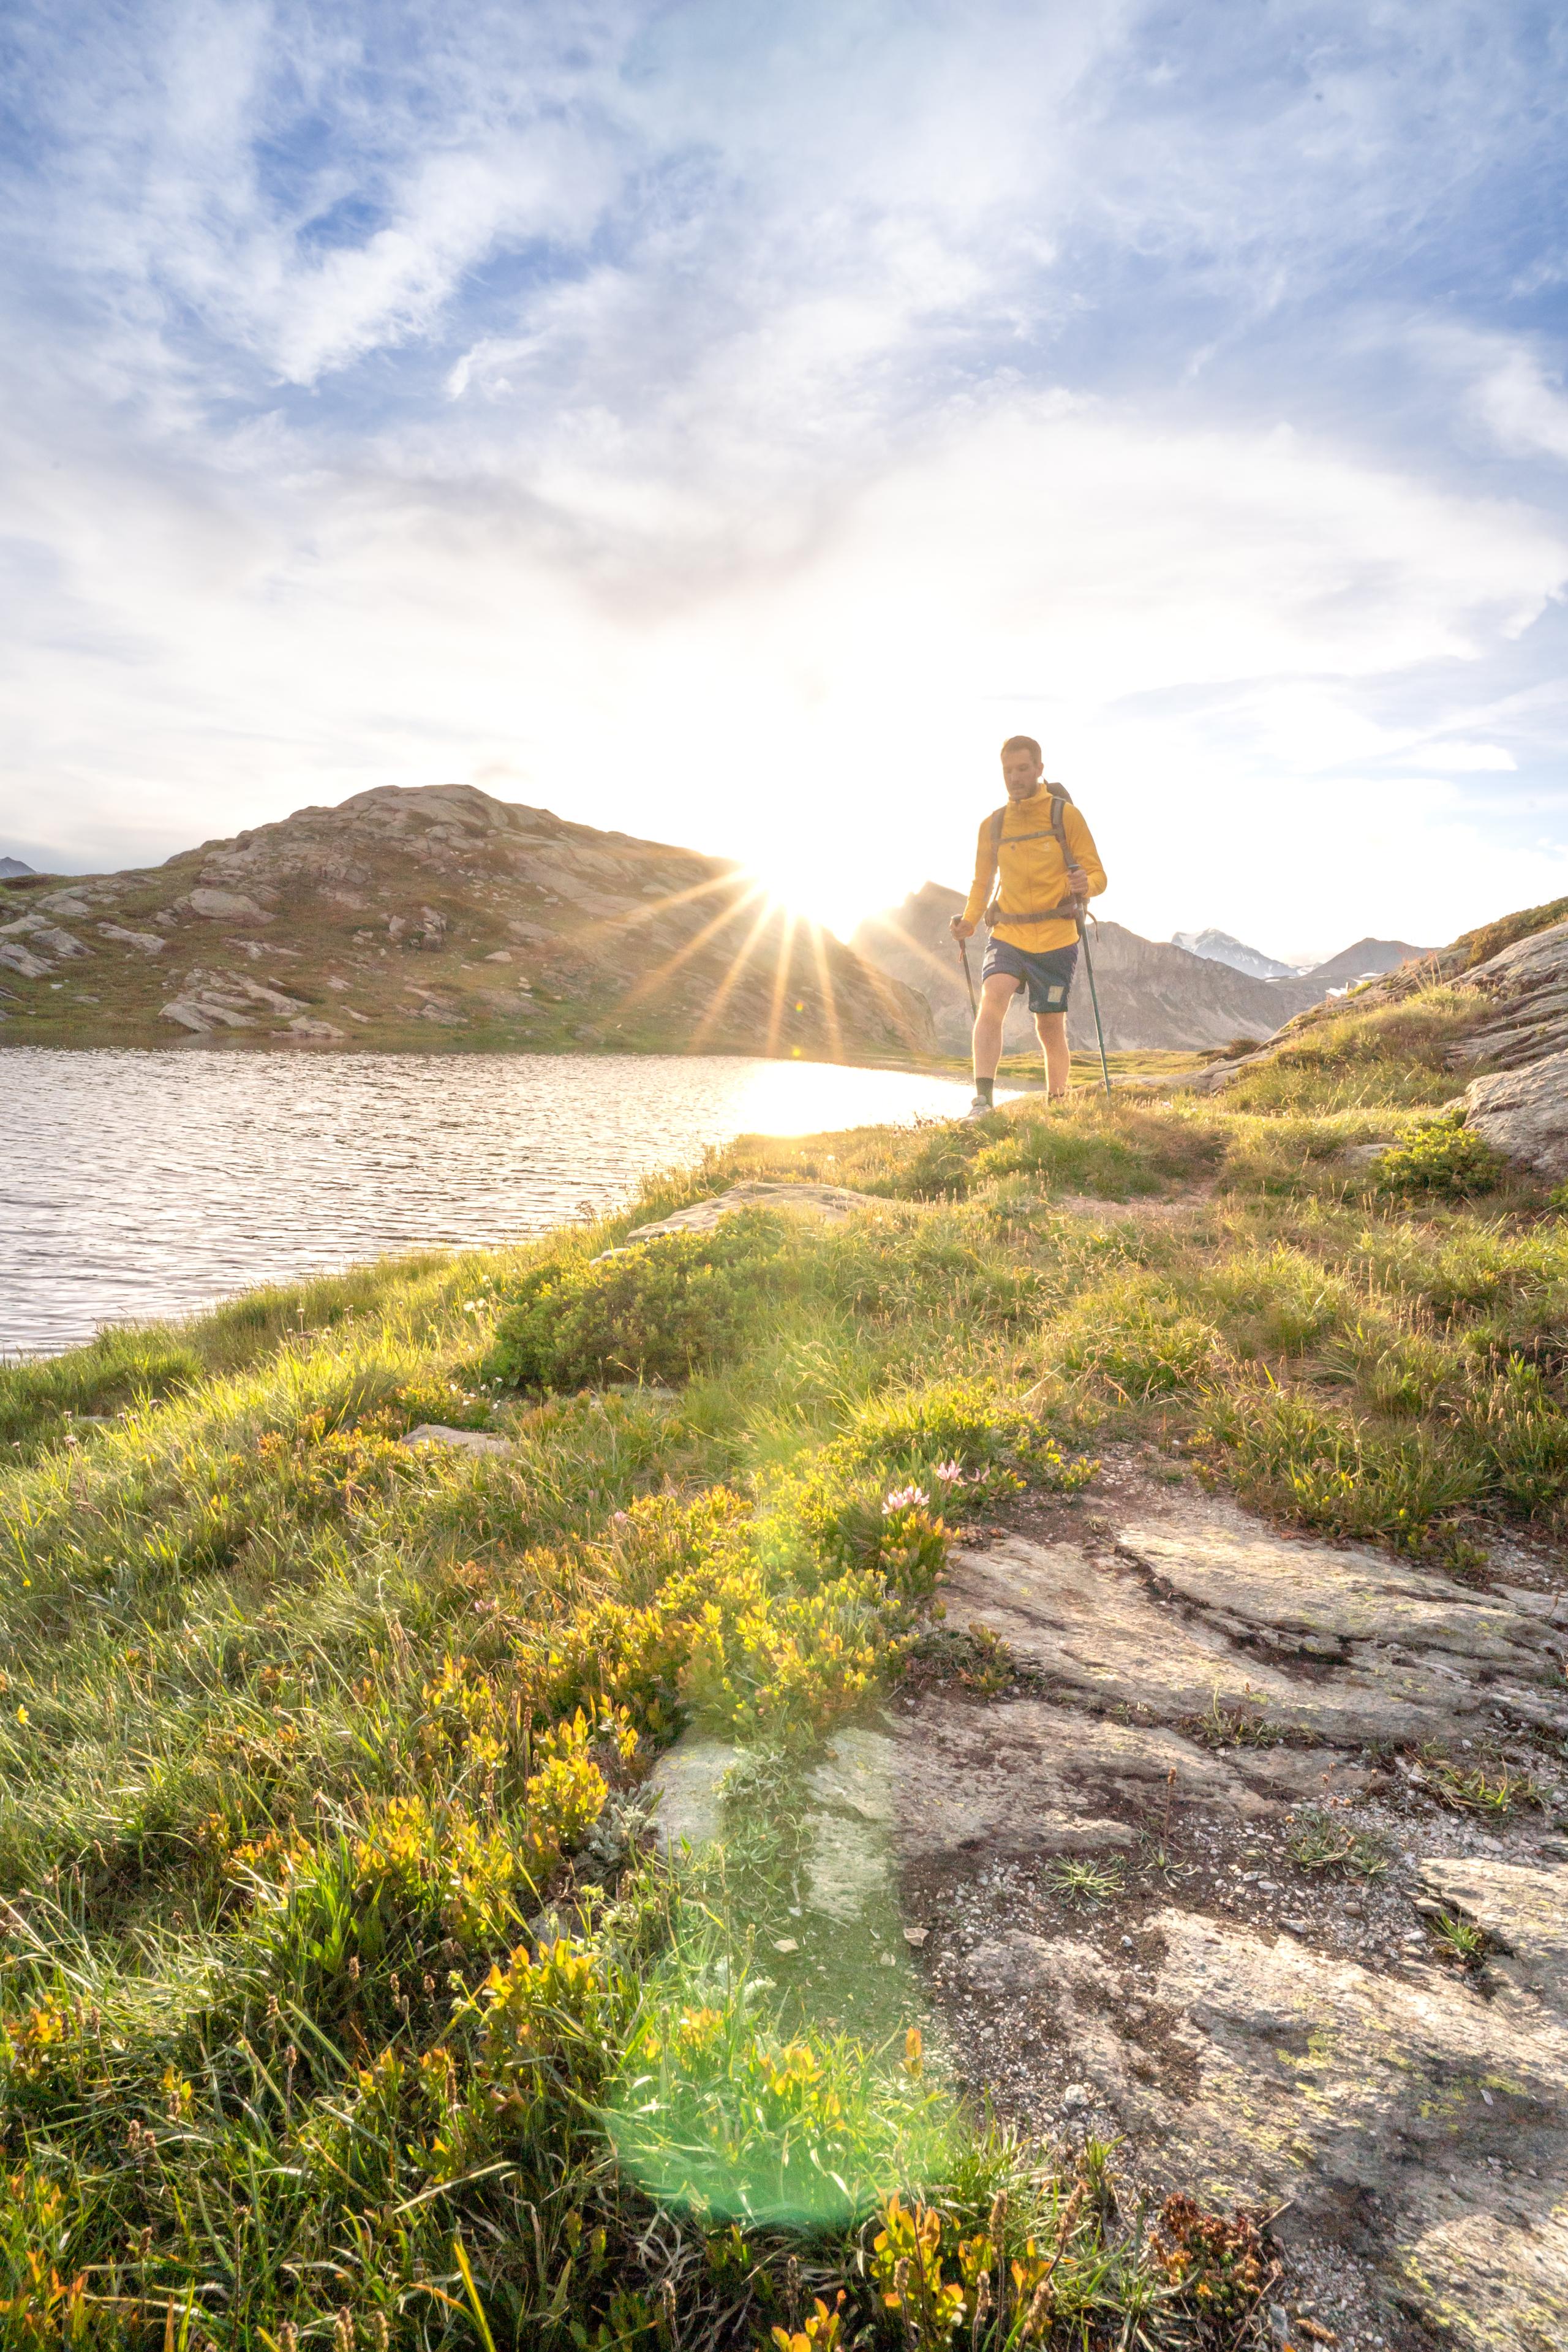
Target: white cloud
[[766, 499], [1527, 412], [1455, 757]]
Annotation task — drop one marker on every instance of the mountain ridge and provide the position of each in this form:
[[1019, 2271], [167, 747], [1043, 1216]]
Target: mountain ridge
[[1223, 947], [436, 918], [1151, 994]]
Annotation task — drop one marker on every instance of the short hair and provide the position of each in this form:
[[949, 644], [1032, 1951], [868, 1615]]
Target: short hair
[[1022, 743]]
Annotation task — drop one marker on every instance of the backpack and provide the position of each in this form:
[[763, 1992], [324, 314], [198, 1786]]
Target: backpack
[[1072, 908]]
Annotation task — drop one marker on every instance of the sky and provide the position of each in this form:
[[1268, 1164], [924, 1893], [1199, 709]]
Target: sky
[[727, 423]]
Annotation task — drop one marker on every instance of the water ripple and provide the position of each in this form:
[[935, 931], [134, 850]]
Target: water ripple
[[134, 1185]]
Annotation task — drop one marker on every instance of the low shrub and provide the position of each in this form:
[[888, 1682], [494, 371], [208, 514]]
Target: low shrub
[[1442, 1158], [656, 1310]]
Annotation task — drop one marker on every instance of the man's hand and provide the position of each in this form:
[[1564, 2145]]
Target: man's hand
[[1077, 882], [959, 927]]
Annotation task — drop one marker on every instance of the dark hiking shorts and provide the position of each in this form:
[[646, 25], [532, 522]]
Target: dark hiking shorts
[[1049, 977]]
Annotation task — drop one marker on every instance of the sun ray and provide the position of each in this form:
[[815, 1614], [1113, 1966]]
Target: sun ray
[[673, 962], [882, 990], [726, 987], [933, 962], [783, 970], [829, 1000]]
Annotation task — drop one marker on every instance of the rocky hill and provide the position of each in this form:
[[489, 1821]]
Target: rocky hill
[[1151, 994], [1366, 958], [1508, 982], [437, 919]]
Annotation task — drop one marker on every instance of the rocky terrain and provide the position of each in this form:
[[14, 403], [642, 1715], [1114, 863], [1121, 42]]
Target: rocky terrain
[[431, 919], [1152, 1834], [1151, 994], [1514, 974]]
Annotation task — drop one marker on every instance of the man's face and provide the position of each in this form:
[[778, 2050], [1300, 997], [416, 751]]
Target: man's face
[[1021, 772]]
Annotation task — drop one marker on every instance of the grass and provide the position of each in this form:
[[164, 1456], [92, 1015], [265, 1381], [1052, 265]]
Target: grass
[[1458, 1940], [1079, 1882], [1318, 1841], [339, 2001]]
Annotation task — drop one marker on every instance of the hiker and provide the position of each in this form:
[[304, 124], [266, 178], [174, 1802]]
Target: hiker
[[1043, 858]]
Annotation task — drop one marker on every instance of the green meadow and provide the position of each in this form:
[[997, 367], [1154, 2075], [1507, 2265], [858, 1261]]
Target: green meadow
[[343, 2000]]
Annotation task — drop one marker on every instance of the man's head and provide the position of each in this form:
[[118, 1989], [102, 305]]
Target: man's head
[[1022, 766]]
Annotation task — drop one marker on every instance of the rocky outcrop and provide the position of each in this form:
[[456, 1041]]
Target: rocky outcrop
[[1525, 989], [1519, 988], [1177, 1840], [1523, 1114], [434, 918], [1151, 994]]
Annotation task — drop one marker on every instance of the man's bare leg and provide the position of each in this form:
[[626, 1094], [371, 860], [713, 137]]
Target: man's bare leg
[[1051, 1028], [995, 998]]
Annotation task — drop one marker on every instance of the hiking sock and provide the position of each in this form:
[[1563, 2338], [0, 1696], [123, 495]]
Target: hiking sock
[[985, 1091]]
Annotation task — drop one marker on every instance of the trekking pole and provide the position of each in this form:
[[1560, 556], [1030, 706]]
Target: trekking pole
[[963, 946], [1094, 1000]]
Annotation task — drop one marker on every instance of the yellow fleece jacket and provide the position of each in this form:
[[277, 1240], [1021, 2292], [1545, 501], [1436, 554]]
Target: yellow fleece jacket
[[1033, 873]]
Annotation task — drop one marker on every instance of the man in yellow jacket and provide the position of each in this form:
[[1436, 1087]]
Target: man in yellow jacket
[[1034, 922]]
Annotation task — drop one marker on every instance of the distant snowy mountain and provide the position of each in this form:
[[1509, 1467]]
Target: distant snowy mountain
[[1218, 947], [12, 865]]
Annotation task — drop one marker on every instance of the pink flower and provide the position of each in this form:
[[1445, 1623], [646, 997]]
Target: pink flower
[[950, 1472], [905, 1498]]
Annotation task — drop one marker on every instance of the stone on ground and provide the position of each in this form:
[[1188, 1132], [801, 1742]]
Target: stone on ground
[[831, 1202]]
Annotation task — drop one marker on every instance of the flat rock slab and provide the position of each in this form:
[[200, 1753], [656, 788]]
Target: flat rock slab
[[831, 1202], [686, 1786], [1261, 1626], [1417, 2112], [465, 1440], [1524, 1911], [1249, 2029]]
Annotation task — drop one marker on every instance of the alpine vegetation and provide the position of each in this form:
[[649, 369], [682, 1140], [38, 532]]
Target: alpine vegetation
[[448, 1899]]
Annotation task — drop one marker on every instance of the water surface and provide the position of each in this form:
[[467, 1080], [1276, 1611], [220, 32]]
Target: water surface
[[134, 1185]]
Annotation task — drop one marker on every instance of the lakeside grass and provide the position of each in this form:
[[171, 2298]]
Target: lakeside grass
[[340, 2001]]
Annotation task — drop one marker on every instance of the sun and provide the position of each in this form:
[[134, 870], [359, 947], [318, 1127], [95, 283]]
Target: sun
[[809, 894]]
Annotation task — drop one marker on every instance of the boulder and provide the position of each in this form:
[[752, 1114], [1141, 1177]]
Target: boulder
[[226, 905], [150, 943], [18, 959], [1523, 1114], [188, 1015], [56, 942]]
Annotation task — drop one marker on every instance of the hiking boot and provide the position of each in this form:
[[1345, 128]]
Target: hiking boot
[[979, 1108]]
